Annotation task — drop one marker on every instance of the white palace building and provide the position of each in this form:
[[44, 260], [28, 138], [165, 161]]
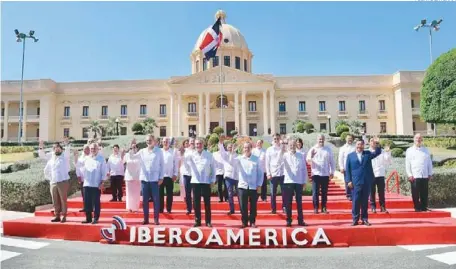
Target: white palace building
[[252, 103]]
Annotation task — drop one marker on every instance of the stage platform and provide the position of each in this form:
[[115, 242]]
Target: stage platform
[[400, 226]]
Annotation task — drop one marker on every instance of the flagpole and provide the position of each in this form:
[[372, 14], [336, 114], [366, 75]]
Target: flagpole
[[221, 97]]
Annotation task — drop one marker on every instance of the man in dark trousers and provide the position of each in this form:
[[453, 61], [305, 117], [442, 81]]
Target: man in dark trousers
[[358, 176]]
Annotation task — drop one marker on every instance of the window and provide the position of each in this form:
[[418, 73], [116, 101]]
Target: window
[[123, 130], [85, 111], [302, 106], [66, 132], [215, 61], [382, 105], [283, 128], [3, 112], [204, 64], [282, 107], [192, 107], [245, 65], [103, 132], [104, 111], [322, 127], [362, 106], [322, 106], [162, 131], [222, 100], [85, 133], [226, 60], [341, 105], [382, 127], [197, 67], [163, 110], [142, 109], [38, 111], [252, 106], [364, 128], [413, 103], [123, 110], [237, 63], [66, 111]]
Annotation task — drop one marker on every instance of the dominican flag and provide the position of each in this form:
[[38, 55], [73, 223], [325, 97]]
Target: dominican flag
[[212, 40]]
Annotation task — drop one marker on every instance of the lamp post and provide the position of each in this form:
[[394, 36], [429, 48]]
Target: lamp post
[[21, 37], [434, 25], [117, 126], [329, 119]]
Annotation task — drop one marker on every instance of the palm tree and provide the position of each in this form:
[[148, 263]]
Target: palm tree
[[111, 126], [95, 127], [356, 126], [149, 125]]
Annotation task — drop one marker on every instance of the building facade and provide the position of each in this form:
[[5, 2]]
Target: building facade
[[223, 91]]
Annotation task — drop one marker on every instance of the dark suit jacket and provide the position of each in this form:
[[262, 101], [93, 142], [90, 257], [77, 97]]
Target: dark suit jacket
[[359, 173]]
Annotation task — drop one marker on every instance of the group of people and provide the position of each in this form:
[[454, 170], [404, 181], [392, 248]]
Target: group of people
[[153, 170]]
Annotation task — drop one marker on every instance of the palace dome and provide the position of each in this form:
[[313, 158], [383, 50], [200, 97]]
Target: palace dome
[[232, 37]]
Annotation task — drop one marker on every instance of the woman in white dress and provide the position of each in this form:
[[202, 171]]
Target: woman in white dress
[[182, 171], [132, 183]]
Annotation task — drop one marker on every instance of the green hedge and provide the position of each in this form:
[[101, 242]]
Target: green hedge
[[15, 167], [11, 149], [442, 188]]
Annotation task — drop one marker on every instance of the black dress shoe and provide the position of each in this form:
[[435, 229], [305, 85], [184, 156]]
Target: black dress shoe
[[145, 222], [230, 213], [86, 221], [374, 210], [425, 210], [82, 210], [273, 212], [94, 221], [188, 213], [113, 200], [288, 224], [383, 209], [366, 223], [56, 219], [323, 210], [417, 210], [243, 225], [355, 223], [156, 222], [315, 211], [302, 224], [208, 225], [253, 225], [197, 224]]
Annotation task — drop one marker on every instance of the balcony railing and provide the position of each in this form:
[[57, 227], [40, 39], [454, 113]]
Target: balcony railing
[[282, 114], [382, 113], [303, 115], [162, 115], [103, 117], [363, 113], [143, 116], [192, 114], [342, 113]]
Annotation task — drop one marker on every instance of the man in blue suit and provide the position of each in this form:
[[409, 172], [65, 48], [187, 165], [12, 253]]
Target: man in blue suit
[[358, 169]]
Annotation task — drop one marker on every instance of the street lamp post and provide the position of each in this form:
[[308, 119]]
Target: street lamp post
[[329, 119], [434, 25], [21, 37], [117, 126]]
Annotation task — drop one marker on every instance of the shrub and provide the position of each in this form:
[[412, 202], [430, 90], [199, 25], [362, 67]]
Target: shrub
[[342, 129], [300, 127], [16, 149], [233, 132], [137, 128], [343, 136], [442, 188], [213, 139], [18, 166], [218, 130], [384, 142], [440, 142], [397, 152]]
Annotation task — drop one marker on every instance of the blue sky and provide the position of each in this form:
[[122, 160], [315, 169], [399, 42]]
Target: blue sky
[[87, 41]]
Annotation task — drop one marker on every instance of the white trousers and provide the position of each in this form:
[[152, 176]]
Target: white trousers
[[133, 189]]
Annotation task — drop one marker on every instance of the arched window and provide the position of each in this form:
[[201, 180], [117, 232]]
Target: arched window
[[222, 101]]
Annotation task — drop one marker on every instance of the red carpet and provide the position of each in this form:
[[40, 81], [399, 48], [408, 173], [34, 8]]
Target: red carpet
[[400, 226]]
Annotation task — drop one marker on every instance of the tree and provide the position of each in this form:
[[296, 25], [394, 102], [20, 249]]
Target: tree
[[294, 128], [341, 122], [111, 126], [356, 126], [218, 130], [438, 90], [299, 128], [149, 125], [95, 127], [137, 128]]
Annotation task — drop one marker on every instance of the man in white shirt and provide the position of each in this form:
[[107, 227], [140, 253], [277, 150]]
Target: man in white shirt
[[321, 160], [274, 169], [169, 175], [346, 149], [219, 176], [95, 173], [187, 146], [229, 161], [116, 172], [202, 167], [295, 179], [418, 165], [250, 176], [78, 164], [151, 163], [260, 152], [379, 165], [56, 171]]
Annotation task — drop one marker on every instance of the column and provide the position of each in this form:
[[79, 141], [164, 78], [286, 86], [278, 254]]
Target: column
[[404, 117], [208, 115], [200, 131], [265, 113], [179, 115], [171, 115], [5, 121], [236, 112], [24, 121], [273, 112], [244, 115]]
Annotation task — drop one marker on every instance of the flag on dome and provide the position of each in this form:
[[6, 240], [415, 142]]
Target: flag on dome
[[212, 40]]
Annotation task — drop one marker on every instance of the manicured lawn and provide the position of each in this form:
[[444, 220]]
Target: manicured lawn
[[14, 157], [443, 152]]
